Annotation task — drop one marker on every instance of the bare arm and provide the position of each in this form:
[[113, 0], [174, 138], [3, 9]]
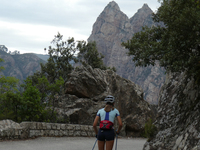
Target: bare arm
[[95, 124], [120, 123]]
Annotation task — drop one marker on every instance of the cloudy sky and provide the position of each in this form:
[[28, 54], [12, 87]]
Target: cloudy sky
[[30, 25]]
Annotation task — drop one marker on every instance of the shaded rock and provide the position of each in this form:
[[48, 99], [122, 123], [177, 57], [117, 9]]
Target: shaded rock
[[90, 86], [96, 85], [178, 115]]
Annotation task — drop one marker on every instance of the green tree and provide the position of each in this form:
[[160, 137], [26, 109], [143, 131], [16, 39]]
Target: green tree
[[175, 44], [89, 55], [61, 57], [31, 106], [10, 105], [40, 97], [8, 84], [10, 99]]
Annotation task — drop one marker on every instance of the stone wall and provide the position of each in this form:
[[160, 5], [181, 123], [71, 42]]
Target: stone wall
[[10, 130]]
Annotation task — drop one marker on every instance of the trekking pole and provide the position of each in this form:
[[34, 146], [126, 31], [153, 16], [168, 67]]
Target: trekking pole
[[94, 144], [116, 142]]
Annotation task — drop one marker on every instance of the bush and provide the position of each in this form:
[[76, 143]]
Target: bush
[[149, 130]]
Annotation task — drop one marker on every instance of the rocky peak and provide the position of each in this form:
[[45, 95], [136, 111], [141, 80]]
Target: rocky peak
[[144, 11], [113, 27], [113, 5], [110, 18], [146, 7], [142, 18]]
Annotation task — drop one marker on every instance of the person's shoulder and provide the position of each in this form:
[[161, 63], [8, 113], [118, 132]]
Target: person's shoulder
[[102, 109], [116, 109]]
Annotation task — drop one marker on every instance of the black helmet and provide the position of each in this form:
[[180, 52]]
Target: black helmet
[[109, 99]]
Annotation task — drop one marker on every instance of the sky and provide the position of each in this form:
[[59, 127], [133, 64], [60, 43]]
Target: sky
[[29, 26]]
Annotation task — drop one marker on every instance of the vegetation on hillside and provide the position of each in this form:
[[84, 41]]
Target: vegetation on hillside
[[25, 102], [35, 99]]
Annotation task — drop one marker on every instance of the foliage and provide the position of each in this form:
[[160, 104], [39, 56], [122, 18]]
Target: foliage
[[1, 67], [113, 69], [10, 104], [149, 130], [45, 93], [41, 91], [89, 55], [8, 84], [60, 58], [10, 98], [18, 107], [176, 44], [197, 3], [32, 107], [33, 103]]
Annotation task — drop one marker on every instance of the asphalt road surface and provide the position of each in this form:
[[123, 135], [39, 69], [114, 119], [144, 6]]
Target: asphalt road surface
[[69, 143]]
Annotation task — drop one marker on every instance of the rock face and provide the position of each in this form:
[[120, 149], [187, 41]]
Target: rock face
[[113, 27], [85, 92], [19, 66], [178, 118]]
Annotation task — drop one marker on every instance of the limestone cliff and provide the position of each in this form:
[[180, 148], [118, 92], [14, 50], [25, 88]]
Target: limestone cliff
[[113, 27], [178, 120]]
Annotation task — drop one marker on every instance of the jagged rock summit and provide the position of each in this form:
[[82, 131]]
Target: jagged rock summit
[[113, 27], [113, 5], [141, 18]]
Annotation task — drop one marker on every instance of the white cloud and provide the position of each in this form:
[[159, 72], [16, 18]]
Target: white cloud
[[24, 36], [30, 25]]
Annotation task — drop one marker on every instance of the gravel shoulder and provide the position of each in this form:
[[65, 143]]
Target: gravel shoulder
[[69, 143]]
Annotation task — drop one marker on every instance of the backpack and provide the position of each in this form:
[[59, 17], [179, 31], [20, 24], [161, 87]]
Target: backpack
[[106, 125]]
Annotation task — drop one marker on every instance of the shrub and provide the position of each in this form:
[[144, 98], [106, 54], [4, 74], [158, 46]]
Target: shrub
[[149, 130]]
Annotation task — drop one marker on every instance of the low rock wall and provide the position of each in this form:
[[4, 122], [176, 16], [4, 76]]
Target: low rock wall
[[27, 130]]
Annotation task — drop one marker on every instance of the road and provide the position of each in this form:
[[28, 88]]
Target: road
[[69, 143]]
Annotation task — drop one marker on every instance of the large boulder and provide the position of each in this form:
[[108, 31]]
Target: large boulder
[[12, 130], [85, 92], [178, 120]]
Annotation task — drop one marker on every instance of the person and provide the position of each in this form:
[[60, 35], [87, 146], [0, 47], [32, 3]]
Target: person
[[106, 133]]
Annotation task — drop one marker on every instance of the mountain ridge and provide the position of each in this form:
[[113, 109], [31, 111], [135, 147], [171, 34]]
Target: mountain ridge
[[20, 65], [113, 27]]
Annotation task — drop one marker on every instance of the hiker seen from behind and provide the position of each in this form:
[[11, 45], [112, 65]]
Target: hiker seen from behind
[[106, 133]]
